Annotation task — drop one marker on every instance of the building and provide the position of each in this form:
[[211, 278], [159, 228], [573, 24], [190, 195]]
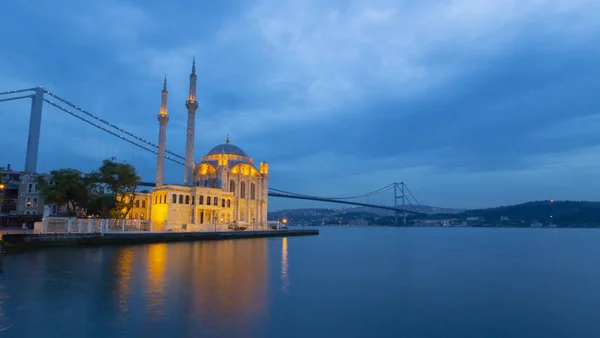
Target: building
[[9, 190], [142, 206], [21, 200], [21, 193], [224, 187], [29, 201]]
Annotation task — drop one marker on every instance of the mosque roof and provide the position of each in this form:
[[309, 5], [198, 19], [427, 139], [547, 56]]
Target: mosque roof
[[227, 148]]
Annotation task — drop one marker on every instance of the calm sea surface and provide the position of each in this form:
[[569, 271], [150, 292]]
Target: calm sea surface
[[346, 282]]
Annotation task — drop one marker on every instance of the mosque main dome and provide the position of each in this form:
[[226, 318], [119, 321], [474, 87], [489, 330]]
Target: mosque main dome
[[227, 149]]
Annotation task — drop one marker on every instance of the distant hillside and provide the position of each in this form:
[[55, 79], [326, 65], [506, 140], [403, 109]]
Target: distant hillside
[[561, 213], [566, 212], [365, 210]]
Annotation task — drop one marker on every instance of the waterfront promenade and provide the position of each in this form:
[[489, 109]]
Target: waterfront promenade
[[31, 240]]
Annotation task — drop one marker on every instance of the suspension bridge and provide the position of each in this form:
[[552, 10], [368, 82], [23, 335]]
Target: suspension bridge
[[403, 200]]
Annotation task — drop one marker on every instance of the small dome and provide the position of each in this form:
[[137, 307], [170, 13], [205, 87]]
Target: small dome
[[227, 148]]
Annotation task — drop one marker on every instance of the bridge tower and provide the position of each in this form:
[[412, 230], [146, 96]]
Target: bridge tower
[[191, 104], [399, 194], [35, 124], [163, 118]]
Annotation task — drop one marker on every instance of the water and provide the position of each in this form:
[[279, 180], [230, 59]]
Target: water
[[346, 282]]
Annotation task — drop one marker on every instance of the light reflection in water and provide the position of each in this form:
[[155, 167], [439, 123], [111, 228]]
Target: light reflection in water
[[231, 282], [155, 288], [123, 271], [173, 290], [285, 282], [218, 286]]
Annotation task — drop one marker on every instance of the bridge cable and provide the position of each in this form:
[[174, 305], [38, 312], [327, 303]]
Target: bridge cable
[[413, 196], [110, 132], [17, 98], [378, 191], [16, 91], [110, 124]]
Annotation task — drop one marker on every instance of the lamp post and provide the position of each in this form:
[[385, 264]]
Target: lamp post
[[215, 220], [2, 186]]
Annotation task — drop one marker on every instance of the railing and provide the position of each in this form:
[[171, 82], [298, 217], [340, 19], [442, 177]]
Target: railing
[[213, 227], [74, 225]]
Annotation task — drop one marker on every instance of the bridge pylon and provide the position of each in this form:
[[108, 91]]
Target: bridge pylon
[[399, 195], [33, 137]]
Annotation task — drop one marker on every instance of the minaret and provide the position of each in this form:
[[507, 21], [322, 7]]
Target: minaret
[[191, 104], [163, 118], [223, 170]]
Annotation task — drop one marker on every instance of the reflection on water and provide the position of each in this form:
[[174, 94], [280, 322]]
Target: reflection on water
[[285, 283], [4, 321], [155, 288], [178, 289], [123, 272], [347, 282]]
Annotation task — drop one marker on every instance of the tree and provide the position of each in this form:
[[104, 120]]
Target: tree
[[101, 205], [65, 187], [121, 180]]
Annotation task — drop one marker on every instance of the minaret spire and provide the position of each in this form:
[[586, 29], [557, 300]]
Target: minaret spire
[[227, 139], [191, 104], [164, 98], [163, 118]]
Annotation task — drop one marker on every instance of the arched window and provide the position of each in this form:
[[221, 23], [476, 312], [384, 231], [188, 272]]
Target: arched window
[[200, 200], [232, 186], [164, 200], [187, 199], [216, 201], [252, 191], [223, 203], [229, 203], [137, 203], [207, 200], [143, 204], [35, 200], [180, 199], [243, 190], [155, 199], [174, 199]]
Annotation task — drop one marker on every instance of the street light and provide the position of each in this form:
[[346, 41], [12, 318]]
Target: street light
[[254, 223], [215, 219]]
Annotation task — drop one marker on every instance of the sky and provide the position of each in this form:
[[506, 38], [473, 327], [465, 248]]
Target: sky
[[471, 103]]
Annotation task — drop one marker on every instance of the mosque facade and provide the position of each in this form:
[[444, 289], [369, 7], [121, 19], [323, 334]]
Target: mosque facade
[[225, 187]]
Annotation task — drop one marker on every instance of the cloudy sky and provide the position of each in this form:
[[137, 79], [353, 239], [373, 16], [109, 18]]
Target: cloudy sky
[[472, 103]]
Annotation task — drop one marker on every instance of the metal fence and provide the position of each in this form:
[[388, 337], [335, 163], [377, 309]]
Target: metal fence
[[169, 226], [74, 225]]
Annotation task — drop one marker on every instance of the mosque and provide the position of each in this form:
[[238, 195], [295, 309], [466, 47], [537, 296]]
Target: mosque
[[225, 187]]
